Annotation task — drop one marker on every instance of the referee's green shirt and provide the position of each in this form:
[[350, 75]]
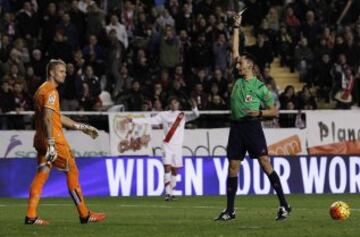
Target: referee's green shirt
[[248, 95]]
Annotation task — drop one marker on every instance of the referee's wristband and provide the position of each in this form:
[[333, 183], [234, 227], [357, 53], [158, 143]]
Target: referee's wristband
[[260, 114]]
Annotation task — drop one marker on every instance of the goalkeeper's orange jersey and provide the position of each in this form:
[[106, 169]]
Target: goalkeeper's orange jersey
[[47, 96]]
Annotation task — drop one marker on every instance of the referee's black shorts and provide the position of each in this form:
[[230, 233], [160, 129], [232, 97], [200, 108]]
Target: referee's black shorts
[[246, 135]]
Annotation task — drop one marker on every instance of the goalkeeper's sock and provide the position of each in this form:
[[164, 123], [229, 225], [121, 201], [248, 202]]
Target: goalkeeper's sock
[[276, 184], [167, 183], [78, 199], [173, 183], [231, 189], [35, 193], [72, 178]]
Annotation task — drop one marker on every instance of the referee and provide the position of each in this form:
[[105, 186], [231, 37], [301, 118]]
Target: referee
[[246, 133]]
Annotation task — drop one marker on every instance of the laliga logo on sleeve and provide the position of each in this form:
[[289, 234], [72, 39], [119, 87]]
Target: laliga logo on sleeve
[[51, 99], [248, 98]]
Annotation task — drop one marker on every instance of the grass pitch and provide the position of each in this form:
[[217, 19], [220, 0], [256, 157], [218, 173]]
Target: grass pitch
[[189, 216]]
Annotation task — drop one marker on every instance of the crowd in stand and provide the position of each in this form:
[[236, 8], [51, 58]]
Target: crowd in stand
[[134, 55]]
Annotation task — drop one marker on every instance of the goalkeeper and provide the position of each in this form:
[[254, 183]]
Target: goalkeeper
[[52, 147]]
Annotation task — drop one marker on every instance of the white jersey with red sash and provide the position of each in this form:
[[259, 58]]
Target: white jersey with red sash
[[173, 123]]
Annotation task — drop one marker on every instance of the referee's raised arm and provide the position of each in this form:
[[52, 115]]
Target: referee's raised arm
[[236, 32]]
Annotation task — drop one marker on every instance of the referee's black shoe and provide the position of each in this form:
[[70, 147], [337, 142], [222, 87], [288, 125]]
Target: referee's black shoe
[[225, 216], [283, 213]]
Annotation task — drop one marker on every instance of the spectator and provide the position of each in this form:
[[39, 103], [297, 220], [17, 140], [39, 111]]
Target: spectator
[[21, 50], [70, 89], [169, 50], [7, 98], [199, 95], [220, 81], [179, 76], [165, 19], [202, 78], [141, 71], [142, 30], [95, 21], [157, 106], [351, 50], [185, 45], [268, 33], [124, 83], [60, 48], [272, 18], [69, 30], [7, 103], [329, 38], [22, 100], [114, 58], [78, 19], [38, 64], [15, 59], [268, 79], [127, 17], [5, 48], [83, 5], [305, 99], [32, 81], [27, 22], [292, 21], [321, 49], [8, 25], [121, 34], [285, 48], [217, 103], [287, 98], [179, 92], [201, 53], [214, 91], [221, 53], [184, 19], [159, 94], [304, 59], [262, 52], [165, 79], [323, 78], [135, 99], [48, 24], [14, 75], [311, 29], [94, 55], [87, 102], [274, 93], [92, 81], [78, 61], [343, 83]]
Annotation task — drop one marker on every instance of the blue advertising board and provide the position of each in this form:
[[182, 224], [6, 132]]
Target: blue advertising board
[[143, 176]]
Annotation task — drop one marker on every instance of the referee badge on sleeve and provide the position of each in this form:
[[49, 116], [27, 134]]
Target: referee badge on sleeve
[[248, 98]]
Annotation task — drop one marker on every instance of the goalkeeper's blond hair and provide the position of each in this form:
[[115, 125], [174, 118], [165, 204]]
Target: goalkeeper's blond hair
[[52, 64]]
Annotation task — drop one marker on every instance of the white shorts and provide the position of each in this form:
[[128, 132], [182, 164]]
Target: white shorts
[[172, 155]]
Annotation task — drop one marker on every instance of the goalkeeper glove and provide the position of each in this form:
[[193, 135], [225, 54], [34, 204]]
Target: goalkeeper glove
[[51, 154], [87, 129]]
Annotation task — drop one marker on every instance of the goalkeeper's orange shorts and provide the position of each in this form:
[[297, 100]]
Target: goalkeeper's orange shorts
[[64, 156]]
